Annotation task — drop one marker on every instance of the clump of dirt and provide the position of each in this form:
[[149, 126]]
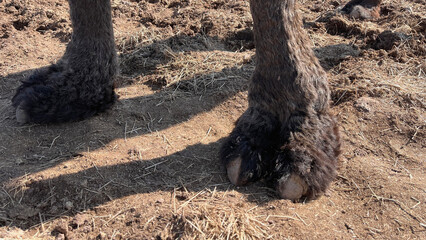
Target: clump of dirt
[[241, 40], [42, 19], [334, 54], [387, 40], [399, 31], [341, 25]]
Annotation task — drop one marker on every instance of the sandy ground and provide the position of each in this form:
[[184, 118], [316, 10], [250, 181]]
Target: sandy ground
[[149, 168]]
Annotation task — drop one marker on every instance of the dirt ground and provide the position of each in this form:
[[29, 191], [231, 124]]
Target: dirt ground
[[149, 168]]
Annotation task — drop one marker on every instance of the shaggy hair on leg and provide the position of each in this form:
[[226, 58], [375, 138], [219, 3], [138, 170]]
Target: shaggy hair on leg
[[254, 140], [51, 96], [311, 152], [287, 136], [81, 83]]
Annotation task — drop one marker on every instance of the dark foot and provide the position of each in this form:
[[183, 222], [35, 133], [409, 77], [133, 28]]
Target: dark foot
[[298, 158], [251, 147], [286, 137], [81, 84], [307, 161], [363, 9], [61, 93]]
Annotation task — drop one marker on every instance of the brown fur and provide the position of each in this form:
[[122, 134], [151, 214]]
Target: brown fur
[[81, 83], [287, 128]]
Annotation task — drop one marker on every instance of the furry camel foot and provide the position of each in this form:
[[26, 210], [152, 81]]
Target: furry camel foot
[[61, 93], [298, 157], [307, 160], [287, 136], [81, 83], [251, 147]]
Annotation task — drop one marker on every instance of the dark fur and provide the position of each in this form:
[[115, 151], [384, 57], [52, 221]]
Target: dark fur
[[81, 83], [286, 129], [256, 140]]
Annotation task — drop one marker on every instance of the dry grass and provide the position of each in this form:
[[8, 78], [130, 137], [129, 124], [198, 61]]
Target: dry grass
[[379, 192], [196, 65], [203, 216]]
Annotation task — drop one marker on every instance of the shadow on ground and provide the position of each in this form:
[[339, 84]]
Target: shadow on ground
[[33, 148]]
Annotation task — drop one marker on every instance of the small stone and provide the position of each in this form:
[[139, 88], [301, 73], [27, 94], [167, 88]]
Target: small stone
[[86, 229], [19, 161], [50, 13], [54, 209], [84, 183], [61, 228], [81, 219], [12, 9], [60, 236], [383, 53], [366, 104], [247, 58], [102, 236], [68, 205]]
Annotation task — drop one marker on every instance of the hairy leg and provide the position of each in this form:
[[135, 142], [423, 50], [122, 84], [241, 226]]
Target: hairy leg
[[80, 84], [287, 135]]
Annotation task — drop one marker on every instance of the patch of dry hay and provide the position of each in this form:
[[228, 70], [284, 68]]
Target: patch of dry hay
[[203, 216]]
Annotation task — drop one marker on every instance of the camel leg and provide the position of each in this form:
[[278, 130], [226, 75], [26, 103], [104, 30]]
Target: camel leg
[[81, 83], [287, 135]]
